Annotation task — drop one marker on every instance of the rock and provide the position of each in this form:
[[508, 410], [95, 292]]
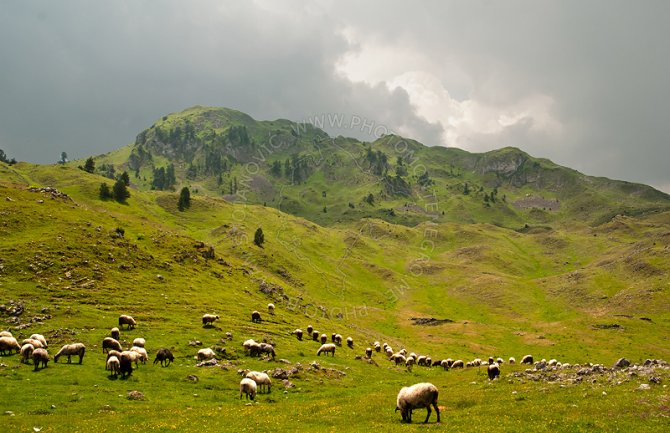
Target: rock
[[192, 378], [135, 395], [288, 384], [280, 373], [644, 386], [622, 363]]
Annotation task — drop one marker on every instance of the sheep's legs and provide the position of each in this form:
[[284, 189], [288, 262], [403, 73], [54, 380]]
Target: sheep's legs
[[437, 410], [428, 416]]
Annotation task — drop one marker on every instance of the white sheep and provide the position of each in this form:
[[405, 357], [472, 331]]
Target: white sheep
[[528, 359], [26, 352], [37, 344], [5, 334], [7, 344], [208, 319], [409, 362], [110, 343], [398, 358], [261, 379], [420, 395], [271, 308], [248, 387], [124, 319], [457, 364], [40, 357], [115, 333], [71, 349], [205, 354], [324, 338], [139, 342], [142, 352], [350, 342], [113, 365], [130, 355], [247, 344], [40, 338], [298, 334], [511, 360], [493, 371], [326, 349]]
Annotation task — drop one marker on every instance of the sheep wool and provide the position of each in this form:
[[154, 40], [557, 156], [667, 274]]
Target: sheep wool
[[420, 395]]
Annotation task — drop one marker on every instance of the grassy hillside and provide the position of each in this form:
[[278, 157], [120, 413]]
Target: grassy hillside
[[74, 263]]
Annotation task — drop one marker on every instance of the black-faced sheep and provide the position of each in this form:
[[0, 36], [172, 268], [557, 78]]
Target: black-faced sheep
[[40, 357], [420, 395], [115, 333], [248, 387], [377, 346], [493, 370], [528, 359], [350, 342], [139, 342], [26, 352], [255, 317], [7, 344], [421, 361], [208, 319], [368, 352], [114, 365], [298, 334], [71, 349], [108, 343], [324, 338], [271, 308], [164, 356], [40, 338], [315, 335], [326, 349], [429, 361], [261, 379], [127, 320]]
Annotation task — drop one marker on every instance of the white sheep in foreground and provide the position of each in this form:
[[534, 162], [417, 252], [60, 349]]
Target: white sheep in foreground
[[139, 342], [7, 344], [142, 352], [326, 349], [205, 354], [40, 338], [40, 357], [26, 352], [71, 349], [261, 379], [208, 319], [124, 319], [5, 334], [248, 387], [113, 365], [420, 395]]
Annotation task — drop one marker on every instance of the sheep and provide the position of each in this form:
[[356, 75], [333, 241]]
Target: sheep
[[476, 362], [26, 352], [142, 352], [271, 308], [429, 361], [126, 363], [113, 365], [110, 343], [248, 387], [417, 396], [493, 370], [310, 329], [457, 364], [500, 361], [368, 352], [257, 349], [127, 320], [409, 362], [399, 359], [255, 317], [208, 319], [113, 353], [511, 360], [446, 364], [139, 342], [132, 356], [9, 343], [437, 363], [552, 363], [315, 335], [332, 337], [389, 352], [528, 359], [37, 344], [71, 349], [261, 379], [326, 349], [247, 344], [421, 361], [350, 342], [115, 333], [40, 357], [338, 339], [164, 356], [298, 334], [205, 354], [403, 352], [5, 334], [229, 335], [377, 347], [40, 338], [324, 338]]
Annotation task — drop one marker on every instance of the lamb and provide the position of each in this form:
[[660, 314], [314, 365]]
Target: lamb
[[142, 352], [271, 308], [114, 365], [493, 370], [324, 338], [26, 352], [9, 343], [205, 354], [126, 320], [40, 357], [208, 319], [261, 379], [298, 334], [139, 342], [115, 333], [248, 387], [417, 396], [528, 359], [164, 356], [71, 349], [110, 343], [368, 352], [255, 317], [350, 342], [40, 338], [326, 349]]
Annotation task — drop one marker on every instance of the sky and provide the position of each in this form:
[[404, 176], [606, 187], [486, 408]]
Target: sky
[[583, 83]]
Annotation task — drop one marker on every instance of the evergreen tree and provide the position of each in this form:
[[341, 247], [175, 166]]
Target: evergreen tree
[[105, 192], [370, 199], [275, 170], [184, 199], [89, 165], [125, 178], [259, 237], [120, 191]]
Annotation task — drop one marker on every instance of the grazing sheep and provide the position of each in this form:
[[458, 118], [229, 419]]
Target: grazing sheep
[[338, 339], [326, 349], [315, 335], [409, 362], [255, 317], [164, 356], [114, 365], [208, 319], [142, 352], [71, 349], [110, 343], [437, 362], [389, 352], [205, 354], [552, 363], [271, 308], [310, 329], [37, 344], [511, 360], [247, 345], [128, 321], [403, 352], [7, 344], [368, 352], [324, 338], [528, 359], [332, 337], [417, 396], [476, 362], [421, 361], [261, 379], [40, 338], [377, 347], [445, 364], [259, 348], [298, 334], [139, 342], [248, 387], [429, 361], [40, 357], [493, 371], [399, 359], [126, 363], [229, 335], [132, 356], [457, 364], [500, 361], [26, 352], [115, 333], [5, 334], [350, 342]]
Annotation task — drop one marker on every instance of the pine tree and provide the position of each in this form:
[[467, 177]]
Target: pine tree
[[105, 192], [89, 165], [125, 178], [120, 191], [184, 199], [259, 237]]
